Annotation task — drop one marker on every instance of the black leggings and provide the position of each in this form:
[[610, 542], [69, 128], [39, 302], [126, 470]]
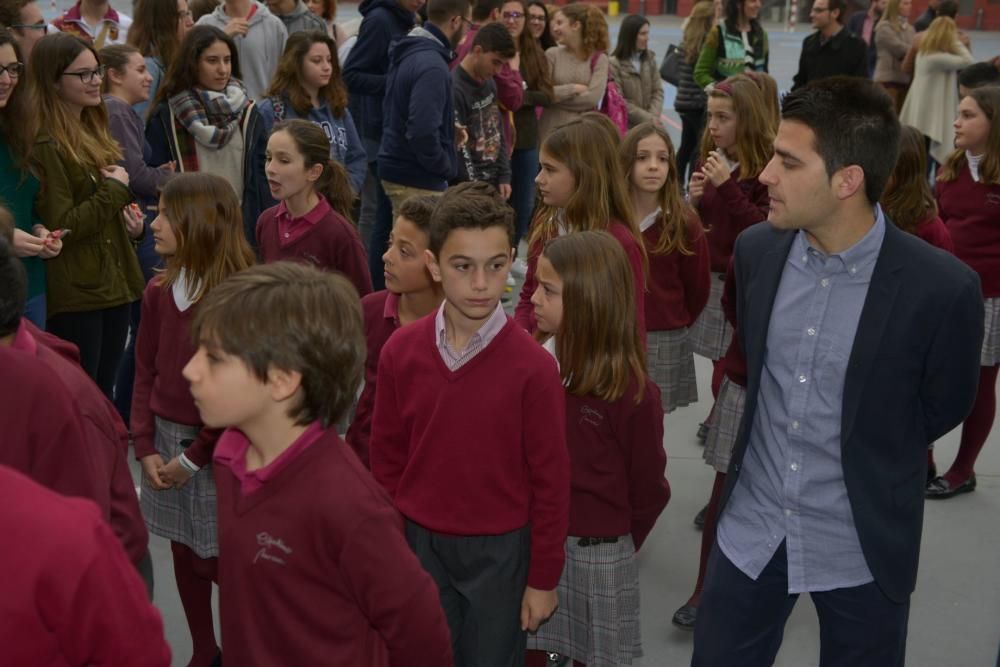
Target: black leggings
[[100, 335], [692, 124]]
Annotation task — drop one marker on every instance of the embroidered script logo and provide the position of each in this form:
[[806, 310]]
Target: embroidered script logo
[[265, 541], [992, 199], [590, 416]]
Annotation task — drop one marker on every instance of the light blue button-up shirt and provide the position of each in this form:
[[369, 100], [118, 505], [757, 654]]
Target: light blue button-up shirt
[[791, 486]]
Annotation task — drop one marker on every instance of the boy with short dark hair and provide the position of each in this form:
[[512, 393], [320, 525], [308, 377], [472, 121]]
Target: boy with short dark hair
[[469, 439], [312, 557], [484, 156], [977, 75]]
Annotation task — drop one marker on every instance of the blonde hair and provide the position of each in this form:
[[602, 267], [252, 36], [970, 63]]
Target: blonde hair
[[755, 128], [699, 23], [941, 37], [593, 27], [892, 17]]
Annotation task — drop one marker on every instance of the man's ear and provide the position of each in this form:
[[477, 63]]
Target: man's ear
[[432, 265], [283, 384]]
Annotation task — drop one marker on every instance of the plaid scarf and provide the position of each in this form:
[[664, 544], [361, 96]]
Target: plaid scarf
[[210, 117]]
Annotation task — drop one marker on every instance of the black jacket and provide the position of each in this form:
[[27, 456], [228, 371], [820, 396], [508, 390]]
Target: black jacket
[[856, 24], [911, 377], [841, 54]]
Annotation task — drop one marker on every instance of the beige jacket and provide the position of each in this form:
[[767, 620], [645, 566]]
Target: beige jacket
[[642, 90], [891, 46]]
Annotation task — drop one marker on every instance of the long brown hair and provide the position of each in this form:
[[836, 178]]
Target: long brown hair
[[987, 98], [115, 57], [287, 78], [754, 132], [314, 146], [154, 30], [593, 27], [85, 140], [182, 73], [17, 122], [598, 344], [675, 211], [699, 24], [907, 199], [205, 216], [537, 73]]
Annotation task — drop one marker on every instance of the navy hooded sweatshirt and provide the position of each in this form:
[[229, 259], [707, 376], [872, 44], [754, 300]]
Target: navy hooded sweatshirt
[[418, 116], [364, 74]]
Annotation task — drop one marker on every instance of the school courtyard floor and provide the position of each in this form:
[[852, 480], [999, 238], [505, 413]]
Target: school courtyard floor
[[955, 617]]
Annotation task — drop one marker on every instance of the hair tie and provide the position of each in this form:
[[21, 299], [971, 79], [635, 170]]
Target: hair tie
[[724, 87]]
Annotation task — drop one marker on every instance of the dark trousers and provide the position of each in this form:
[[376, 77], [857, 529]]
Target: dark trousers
[[692, 124], [481, 580], [378, 242], [742, 621], [523, 170], [100, 335]]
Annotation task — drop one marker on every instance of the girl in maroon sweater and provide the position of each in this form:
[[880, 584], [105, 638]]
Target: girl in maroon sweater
[[586, 317], [968, 197], [679, 278], [582, 189], [908, 201], [310, 223], [199, 232], [724, 189]]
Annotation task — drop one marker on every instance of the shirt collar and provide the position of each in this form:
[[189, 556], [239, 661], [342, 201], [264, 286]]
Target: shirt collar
[[487, 332], [232, 446], [858, 260], [391, 309], [74, 14], [648, 221], [312, 217]]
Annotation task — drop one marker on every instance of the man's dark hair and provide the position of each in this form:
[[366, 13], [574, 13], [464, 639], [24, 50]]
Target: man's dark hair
[[10, 12], [482, 9], [13, 289], [854, 122], [418, 210], [979, 74], [472, 205], [494, 38], [839, 6], [440, 11], [947, 8]]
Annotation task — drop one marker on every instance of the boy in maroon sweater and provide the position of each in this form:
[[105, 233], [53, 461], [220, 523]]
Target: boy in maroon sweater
[[469, 439], [313, 562]]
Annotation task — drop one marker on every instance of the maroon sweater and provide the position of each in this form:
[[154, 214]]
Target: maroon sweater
[[477, 451], [332, 244], [971, 212], [679, 284], [934, 232], [162, 349], [616, 450], [378, 328], [314, 565], [70, 596], [524, 313], [728, 210]]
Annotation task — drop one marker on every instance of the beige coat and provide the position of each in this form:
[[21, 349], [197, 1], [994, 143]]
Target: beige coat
[[642, 90], [567, 71], [932, 102], [891, 46]]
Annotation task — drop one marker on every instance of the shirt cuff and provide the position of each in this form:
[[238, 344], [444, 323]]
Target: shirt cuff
[[187, 464]]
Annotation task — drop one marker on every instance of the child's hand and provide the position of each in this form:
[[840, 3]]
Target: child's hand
[[169, 167], [716, 169], [536, 607], [505, 190], [461, 135], [152, 470], [175, 474], [696, 188]]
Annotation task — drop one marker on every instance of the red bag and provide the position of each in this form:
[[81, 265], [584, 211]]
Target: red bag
[[613, 104]]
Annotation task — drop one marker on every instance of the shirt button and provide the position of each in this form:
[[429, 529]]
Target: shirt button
[[795, 425], [811, 331], [854, 270], [795, 467], [825, 282], [802, 378], [788, 512], [287, 235]]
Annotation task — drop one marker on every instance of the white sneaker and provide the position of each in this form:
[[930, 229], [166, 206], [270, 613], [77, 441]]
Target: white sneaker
[[519, 268]]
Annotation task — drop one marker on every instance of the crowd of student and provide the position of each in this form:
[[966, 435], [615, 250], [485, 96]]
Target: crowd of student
[[181, 273]]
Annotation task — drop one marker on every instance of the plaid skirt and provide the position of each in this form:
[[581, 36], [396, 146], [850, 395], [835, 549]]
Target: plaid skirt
[[991, 333], [725, 426], [597, 622], [188, 514], [711, 333], [671, 366]]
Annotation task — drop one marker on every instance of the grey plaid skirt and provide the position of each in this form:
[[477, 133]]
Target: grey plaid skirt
[[597, 622], [711, 332], [991, 333], [671, 365], [186, 515], [725, 426]]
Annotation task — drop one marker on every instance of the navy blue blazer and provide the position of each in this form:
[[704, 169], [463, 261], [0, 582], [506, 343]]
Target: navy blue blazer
[[912, 376]]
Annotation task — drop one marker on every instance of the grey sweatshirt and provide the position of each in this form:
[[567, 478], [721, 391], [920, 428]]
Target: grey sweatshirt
[[302, 19], [129, 131], [259, 50]]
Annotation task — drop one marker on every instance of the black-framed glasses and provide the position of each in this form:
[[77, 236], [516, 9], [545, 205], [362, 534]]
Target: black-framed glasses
[[13, 70], [537, 19], [468, 23], [819, 10], [512, 16], [89, 75], [43, 26]]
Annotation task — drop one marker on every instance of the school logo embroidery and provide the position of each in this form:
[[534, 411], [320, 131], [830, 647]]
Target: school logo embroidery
[[590, 416], [992, 199], [272, 549]]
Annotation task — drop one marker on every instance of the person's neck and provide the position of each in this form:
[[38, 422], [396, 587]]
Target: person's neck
[[445, 30], [270, 435], [286, 7], [459, 329], [414, 305], [93, 11], [830, 30], [577, 50], [743, 25], [976, 151], [302, 202], [237, 9], [467, 67], [313, 94], [75, 110], [843, 229], [117, 93], [644, 203]]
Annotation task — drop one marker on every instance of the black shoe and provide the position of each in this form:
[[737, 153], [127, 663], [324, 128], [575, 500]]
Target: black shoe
[[685, 617], [939, 489], [931, 473], [702, 432], [699, 518]]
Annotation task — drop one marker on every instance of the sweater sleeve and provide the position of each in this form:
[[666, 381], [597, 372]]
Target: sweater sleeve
[[146, 342], [745, 208], [648, 488], [57, 206], [423, 123], [510, 88], [126, 128], [704, 68], [596, 87], [350, 258], [389, 444], [524, 312], [367, 56], [395, 594], [201, 450], [695, 271]]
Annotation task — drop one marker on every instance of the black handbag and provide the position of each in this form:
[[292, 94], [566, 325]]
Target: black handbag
[[670, 68]]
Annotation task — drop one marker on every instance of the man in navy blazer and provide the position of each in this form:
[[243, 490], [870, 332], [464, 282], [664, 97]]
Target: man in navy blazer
[[862, 344]]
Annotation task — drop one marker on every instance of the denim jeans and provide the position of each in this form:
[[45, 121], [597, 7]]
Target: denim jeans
[[523, 170], [34, 310]]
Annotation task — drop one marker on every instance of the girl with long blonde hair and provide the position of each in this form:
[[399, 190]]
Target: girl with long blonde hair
[[893, 37]]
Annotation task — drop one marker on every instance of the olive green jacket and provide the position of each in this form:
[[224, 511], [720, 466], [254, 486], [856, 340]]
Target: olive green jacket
[[97, 267]]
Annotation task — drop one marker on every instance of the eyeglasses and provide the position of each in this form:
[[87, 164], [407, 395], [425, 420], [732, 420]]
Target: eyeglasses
[[13, 70], [467, 22], [512, 16], [43, 26], [819, 10], [536, 19], [89, 75]]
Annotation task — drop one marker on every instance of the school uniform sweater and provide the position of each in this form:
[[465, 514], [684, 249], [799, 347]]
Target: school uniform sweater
[[162, 349], [322, 237], [381, 313], [314, 566], [524, 312], [726, 211], [477, 451], [679, 284], [70, 596], [104, 432], [970, 211], [618, 464], [934, 232]]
